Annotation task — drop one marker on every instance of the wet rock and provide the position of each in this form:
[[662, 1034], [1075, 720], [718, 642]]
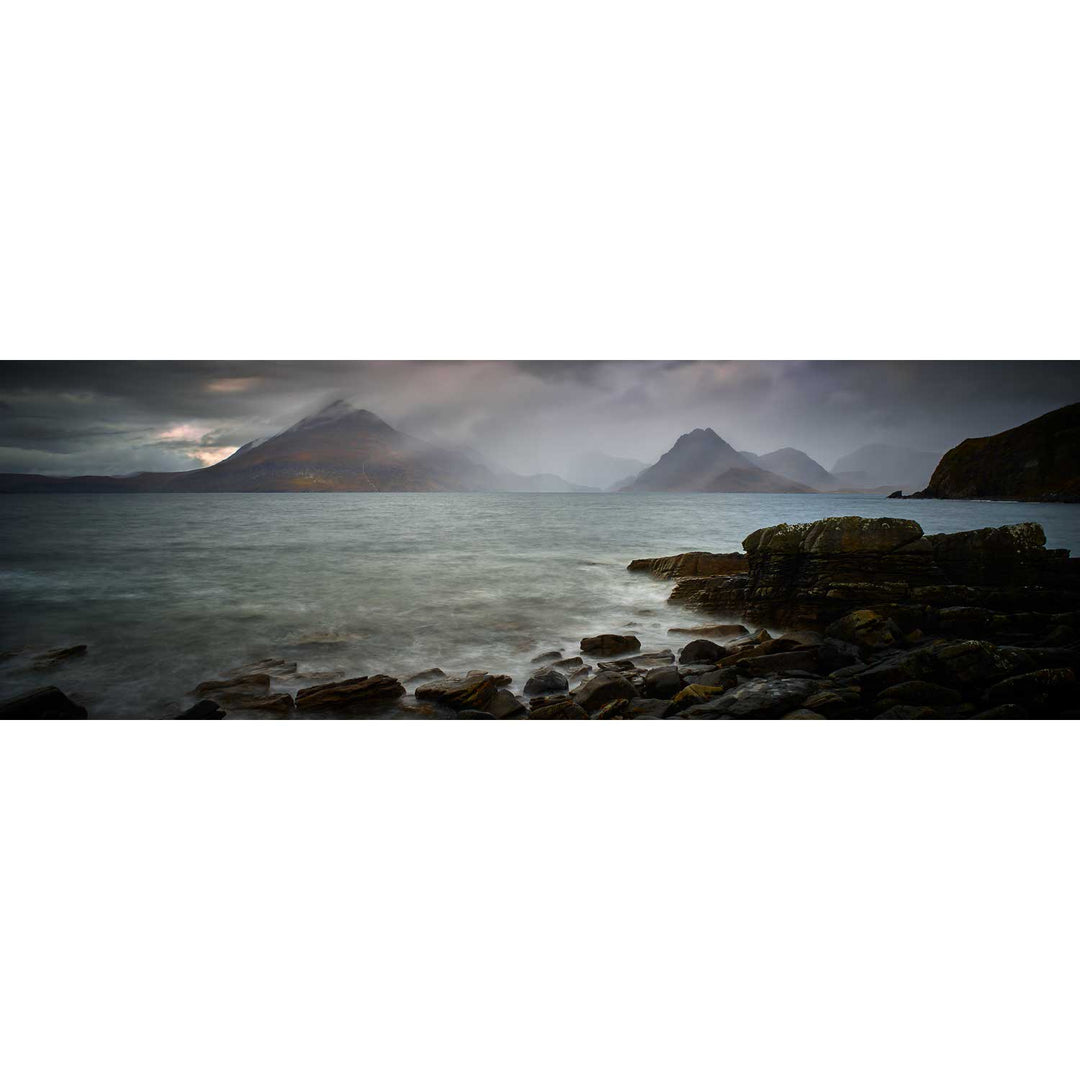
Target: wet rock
[[695, 694], [616, 665], [272, 703], [571, 663], [1035, 689], [835, 654], [475, 714], [803, 714], [202, 710], [558, 710], [614, 710], [45, 703], [866, 629], [273, 667], [53, 657], [352, 697], [701, 651], [689, 672], [609, 644], [654, 659], [1008, 711], [254, 685], [765, 698], [546, 681], [691, 564], [547, 657], [647, 707], [907, 712], [723, 677], [789, 660], [949, 663], [918, 692], [833, 701], [474, 691], [602, 688], [504, 705], [662, 682], [479, 673], [712, 630]]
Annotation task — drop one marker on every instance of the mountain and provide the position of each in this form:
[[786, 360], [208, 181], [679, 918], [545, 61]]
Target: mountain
[[340, 448], [596, 469], [794, 465], [701, 461], [879, 465], [543, 482], [1037, 461]]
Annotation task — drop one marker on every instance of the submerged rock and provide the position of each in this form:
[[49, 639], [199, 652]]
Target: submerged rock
[[45, 703], [254, 685], [712, 630], [58, 656]]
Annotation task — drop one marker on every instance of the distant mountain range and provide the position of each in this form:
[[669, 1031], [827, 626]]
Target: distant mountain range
[[879, 465], [702, 461], [343, 448]]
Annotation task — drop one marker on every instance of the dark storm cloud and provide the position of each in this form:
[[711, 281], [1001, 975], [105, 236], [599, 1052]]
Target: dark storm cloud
[[77, 417]]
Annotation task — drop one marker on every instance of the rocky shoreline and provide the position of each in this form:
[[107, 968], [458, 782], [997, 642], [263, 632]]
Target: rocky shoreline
[[854, 618]]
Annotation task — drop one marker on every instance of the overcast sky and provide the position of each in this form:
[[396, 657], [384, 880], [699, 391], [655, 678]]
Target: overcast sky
[[68, 418]]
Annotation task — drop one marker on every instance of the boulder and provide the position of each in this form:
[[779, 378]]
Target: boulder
[[701, 651], [546, 681], [616, 665], [835, 701], [725, 678], [782, 660], [695, 694], [803, 714], [609, 644], [571, 663], [475, 714], [602, 688], [907, 712], [352, 697], [45, 703], [473, 691], [647, 707], [202, 710], [663, 682], [866, 629], [505, 705]]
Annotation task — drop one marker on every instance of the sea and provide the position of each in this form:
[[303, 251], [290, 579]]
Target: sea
[[167, 591]]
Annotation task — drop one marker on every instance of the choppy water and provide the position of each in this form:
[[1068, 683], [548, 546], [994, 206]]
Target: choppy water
[[169, 590]]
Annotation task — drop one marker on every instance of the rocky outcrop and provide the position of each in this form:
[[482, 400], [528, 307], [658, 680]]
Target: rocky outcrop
[[202, 710], [1037, 461], [815, 573], [351, 697], [691, 564]]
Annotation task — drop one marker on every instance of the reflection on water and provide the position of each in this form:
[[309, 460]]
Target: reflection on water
[[168, 590]]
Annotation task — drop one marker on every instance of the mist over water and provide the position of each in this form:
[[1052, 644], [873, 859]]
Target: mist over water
[[170, 590]]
